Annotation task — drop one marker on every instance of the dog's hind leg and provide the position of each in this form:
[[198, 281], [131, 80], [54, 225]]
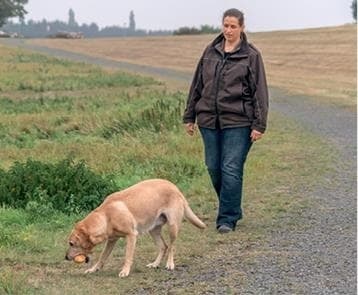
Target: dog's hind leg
[[103, 257], [173, 233], [156, 234]]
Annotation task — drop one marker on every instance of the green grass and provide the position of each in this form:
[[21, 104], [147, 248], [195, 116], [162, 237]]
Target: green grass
[[129, 127], [38, 73]]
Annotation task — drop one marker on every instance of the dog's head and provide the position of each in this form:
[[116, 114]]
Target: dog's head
[[79, 243], [86, 234]]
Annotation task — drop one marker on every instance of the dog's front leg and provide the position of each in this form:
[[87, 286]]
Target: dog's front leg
[[128, 260], [103, 257]]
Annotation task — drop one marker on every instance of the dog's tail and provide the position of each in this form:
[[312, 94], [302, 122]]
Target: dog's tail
[[190, 216]]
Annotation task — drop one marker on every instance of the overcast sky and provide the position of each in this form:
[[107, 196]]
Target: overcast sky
[[261, 15]]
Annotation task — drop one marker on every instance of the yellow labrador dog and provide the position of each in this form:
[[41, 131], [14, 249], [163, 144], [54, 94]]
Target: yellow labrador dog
[[141, 208]]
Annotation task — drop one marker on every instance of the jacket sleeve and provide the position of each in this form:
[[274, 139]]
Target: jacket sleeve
[[260, 93], [194, 94]]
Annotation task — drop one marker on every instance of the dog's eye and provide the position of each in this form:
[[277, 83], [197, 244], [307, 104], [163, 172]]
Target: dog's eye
[[71, 244]]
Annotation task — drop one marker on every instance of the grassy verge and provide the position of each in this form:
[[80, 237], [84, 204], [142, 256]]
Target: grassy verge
[[129, 128]]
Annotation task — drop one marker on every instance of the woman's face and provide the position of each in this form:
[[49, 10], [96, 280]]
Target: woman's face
[[232, 29]]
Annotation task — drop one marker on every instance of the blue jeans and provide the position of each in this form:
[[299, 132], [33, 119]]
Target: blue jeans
[[225, 155]]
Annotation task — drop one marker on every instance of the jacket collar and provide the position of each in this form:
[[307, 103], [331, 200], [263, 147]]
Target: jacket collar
[[243, 49]]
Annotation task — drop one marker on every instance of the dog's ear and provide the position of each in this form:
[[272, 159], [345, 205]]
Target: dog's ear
[[95, 239], [97, 232]]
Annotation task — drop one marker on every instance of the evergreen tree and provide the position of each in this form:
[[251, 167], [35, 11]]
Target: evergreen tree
[[131, 21], [354, 9], [71, 19]]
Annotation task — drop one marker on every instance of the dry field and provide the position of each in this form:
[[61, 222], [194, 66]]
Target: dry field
[[317, 62]]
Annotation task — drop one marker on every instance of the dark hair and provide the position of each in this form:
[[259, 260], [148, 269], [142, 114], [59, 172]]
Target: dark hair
[[234, 13]]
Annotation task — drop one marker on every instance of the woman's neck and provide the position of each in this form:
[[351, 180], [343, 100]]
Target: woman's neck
[[231, 46]]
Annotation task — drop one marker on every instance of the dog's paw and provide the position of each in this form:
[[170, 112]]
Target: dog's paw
[[153, 265], [170, 266], [124, 273], [92, 269]]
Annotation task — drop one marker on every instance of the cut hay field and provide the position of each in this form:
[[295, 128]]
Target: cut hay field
[[317, 62]]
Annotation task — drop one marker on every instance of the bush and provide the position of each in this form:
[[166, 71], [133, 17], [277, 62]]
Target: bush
[[43, 187], [204, 29]]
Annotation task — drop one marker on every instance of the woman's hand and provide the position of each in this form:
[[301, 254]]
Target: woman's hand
[[255, 135], [190, 128]]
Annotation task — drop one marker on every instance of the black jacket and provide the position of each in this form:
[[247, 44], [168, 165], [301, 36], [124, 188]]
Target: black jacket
[[228, 89]]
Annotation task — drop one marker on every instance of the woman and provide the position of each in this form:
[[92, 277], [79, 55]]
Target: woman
[[228, 99]]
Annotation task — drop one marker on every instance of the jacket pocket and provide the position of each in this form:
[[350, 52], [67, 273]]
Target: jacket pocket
[[210, 67], [248, 109], [232, 106], [241, 108], [203, 105]]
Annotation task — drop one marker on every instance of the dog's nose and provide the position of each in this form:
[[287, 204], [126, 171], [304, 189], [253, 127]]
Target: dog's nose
[[67, 258]]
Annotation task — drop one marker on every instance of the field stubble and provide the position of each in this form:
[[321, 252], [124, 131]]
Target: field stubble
[[317, 62]]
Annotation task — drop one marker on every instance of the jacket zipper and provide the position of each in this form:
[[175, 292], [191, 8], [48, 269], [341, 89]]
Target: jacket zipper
[[218, 71]]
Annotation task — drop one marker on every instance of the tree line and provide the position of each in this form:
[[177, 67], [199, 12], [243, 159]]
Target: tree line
[[40, 29], [45, 28], [204, 29]]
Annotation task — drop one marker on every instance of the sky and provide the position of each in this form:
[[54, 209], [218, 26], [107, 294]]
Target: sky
[[260, 15]]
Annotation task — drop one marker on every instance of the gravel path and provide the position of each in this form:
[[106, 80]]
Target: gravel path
[[318, 257], [321, 259]]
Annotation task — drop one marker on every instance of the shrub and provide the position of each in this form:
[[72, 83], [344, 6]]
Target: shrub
[[204, 29], [43, 187]]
